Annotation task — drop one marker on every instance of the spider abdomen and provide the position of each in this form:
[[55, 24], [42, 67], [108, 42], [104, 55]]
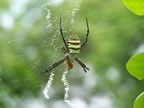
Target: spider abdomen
[[74, 44]]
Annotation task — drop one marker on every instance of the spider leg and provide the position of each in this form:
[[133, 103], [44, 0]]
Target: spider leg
[[64, 50], [82, 64], [56, 64], [86, 34], [77, 59], [61, 31]]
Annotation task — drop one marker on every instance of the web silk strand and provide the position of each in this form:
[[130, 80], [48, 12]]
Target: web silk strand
[[66, 84], [49, 84]]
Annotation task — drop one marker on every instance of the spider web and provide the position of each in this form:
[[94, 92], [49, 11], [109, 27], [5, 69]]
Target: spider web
[[72, 14], [48, 43]]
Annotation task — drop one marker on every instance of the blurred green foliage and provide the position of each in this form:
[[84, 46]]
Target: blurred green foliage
[[139, 102], [29, 44], [136, 6], [135, 66]]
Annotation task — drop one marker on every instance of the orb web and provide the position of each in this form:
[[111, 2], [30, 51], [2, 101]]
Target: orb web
[[51, 24]]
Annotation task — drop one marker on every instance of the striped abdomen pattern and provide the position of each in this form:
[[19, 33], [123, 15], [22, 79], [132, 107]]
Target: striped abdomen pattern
[[74, 44]]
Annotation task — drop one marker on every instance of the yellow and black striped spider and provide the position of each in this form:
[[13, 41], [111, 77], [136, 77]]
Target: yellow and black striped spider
[[71, 49]]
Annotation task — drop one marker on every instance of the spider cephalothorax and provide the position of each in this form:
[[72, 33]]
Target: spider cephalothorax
[[69, 64], [72, 48]]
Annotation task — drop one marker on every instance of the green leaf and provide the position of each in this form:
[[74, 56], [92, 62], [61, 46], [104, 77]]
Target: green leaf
[[135, 66], [136, 6], [139, 102]]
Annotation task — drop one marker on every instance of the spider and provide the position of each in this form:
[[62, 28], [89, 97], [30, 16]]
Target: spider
[[71, 49]]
